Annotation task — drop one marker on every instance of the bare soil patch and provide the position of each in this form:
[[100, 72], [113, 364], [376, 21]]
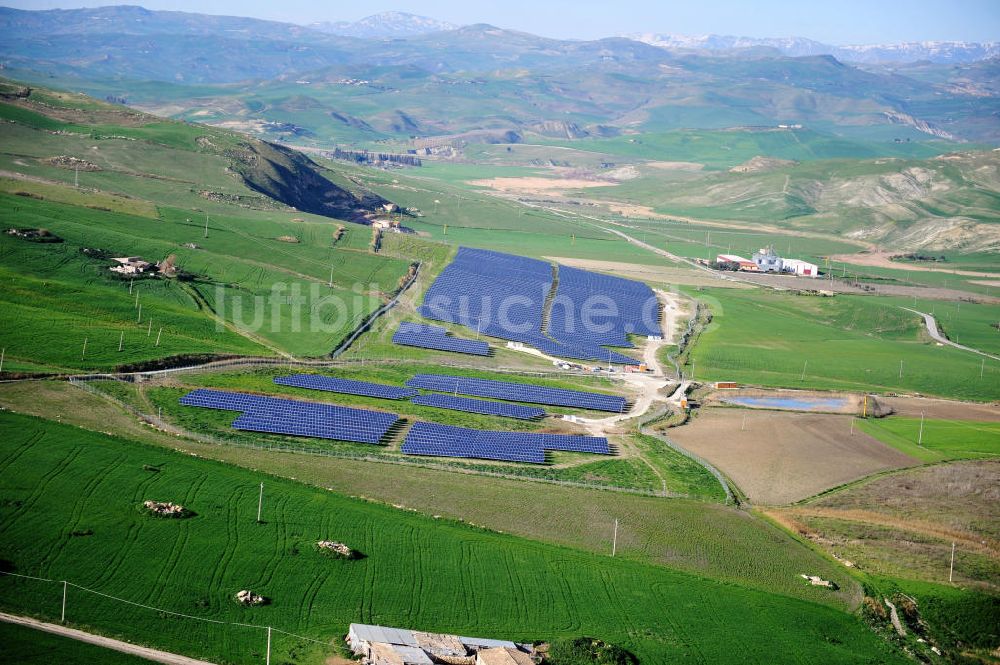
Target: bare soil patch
[[882, 260], [538, 185], [777, 457], [904, 523], [943, 409], [676, 166]]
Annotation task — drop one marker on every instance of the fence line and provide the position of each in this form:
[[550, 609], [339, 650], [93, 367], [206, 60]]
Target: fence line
[[164, 611]]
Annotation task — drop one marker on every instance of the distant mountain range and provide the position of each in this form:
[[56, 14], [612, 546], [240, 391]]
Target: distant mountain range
[[485, 80], [385, 25], [936, 52]]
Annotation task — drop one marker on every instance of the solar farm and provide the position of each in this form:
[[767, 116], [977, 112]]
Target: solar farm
[[298, 418], [518, 299]]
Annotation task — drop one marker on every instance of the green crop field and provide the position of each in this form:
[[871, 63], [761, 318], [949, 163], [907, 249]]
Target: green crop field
[[842, 343], [70, 510], [941, 439]]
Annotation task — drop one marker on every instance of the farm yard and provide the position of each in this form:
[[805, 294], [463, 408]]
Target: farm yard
[[777, 457]]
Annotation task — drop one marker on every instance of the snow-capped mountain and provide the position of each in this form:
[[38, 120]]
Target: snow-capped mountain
[[386, 24], [941, 52]]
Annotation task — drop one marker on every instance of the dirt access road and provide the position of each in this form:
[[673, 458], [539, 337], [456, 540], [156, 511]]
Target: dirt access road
[[883, 260], [936, 335], [115, 645]]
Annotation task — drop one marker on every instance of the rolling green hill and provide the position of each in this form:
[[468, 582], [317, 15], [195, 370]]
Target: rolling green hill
[[257, 275]]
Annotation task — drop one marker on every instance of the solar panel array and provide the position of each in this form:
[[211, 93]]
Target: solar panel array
[[287, 416], [517, 392], [437, 338], [503, 296], [344, 386], [479, 406], [614, 307], [449, 441]]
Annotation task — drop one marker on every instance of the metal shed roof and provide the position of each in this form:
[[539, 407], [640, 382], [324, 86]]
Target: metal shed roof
[[383, 634], [482, 642]]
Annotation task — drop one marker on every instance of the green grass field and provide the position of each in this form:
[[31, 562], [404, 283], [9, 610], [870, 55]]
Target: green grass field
[[941, 440], [27, 646], [842, 343], [418, 572]]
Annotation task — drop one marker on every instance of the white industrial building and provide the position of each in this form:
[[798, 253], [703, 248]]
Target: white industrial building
[[800, 268]]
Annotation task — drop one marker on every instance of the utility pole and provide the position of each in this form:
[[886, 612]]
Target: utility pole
[[805, 363], [260, 505], [852, 425], [901, 369], [920, 436], [982, 367], [65, 584], [84, 354], [158, 336], [614, 541], [951, 569], [206, 224], [149, 328], [2, 354], [267, 658], [121, 342], [139, 320]]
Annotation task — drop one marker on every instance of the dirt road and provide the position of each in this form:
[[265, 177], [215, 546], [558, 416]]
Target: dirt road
[[115, 645], [883, 260], [936, 335]]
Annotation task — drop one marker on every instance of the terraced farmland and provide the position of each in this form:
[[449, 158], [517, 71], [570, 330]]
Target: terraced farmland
[[420, 572]]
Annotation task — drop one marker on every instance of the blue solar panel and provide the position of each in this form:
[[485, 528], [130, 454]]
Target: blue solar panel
[[479, 406], [286, 416], [436, 337], [502, 295], [448, 441], [344, 386], [517, 392]]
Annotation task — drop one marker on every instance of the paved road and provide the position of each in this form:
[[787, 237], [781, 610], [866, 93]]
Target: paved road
[[106, 642], [933, 331]]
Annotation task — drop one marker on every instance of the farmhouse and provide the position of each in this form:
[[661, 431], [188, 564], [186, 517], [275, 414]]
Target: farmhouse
[[744, 264], [379, 645], [767, 260], [131, 265]]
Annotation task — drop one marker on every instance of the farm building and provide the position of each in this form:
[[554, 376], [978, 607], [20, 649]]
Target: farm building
[[379, 645], [744, 264], [767, 260], [131, 265], [801, 268]]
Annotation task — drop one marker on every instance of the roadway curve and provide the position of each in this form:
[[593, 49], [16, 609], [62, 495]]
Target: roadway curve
[[932, 330], [99, 640]]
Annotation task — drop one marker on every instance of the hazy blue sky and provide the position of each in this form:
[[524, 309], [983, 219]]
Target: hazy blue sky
[[833, 21]]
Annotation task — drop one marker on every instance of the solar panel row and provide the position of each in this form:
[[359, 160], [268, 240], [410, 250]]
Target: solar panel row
[[436, 337], [286, 416], [479, 406], [517, 392], [344, 386], [449, 441]]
